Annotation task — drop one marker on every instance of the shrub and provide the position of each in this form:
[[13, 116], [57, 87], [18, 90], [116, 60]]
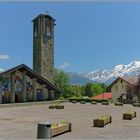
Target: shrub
[[83, 102], [86, 99], [61, 98], [74, 101], [58, 101], [93, 102]]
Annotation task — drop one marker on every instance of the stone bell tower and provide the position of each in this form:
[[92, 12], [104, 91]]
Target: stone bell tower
[[43, 45]]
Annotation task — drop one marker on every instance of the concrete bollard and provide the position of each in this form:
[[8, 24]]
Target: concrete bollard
[[44, 130]]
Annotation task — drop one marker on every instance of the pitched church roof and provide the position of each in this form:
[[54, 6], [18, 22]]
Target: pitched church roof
[[32, 74]]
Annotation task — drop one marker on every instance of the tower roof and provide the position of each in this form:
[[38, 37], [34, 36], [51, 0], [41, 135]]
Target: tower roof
[[44, 15]]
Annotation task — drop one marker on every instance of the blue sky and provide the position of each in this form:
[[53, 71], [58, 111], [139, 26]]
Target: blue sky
[[88, 36]]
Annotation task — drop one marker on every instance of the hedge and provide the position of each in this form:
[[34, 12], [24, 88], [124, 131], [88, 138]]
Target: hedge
[[87, 100]]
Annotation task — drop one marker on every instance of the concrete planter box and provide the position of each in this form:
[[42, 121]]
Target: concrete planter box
[[105, 103], [93, 102], [102, 121], [47, 130], [61, 129], [118, 104], [129, 115], [52, 107], [136, 104], [56, 107], [59, 106]]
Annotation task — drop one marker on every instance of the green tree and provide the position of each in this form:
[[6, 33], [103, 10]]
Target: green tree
[[97, 89], [92, 89], [61, 79], [103, 86], [88, 89]]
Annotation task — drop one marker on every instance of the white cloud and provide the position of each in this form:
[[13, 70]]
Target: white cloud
[[4, 57], [64, 66], [1, 70]]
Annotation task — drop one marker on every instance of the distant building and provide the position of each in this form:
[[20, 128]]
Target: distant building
[[43, 45], [119, 87]]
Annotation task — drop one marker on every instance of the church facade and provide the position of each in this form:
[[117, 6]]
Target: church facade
[[22, 84]]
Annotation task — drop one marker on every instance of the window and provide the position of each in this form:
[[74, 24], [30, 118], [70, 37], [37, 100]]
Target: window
[[121, 81], [116, 88], [48, 32], [122, 86]]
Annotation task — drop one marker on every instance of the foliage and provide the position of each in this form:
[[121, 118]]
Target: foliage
[[94, 89], [86, 99], [88, 90], [72, 91], [83, 102], [61, 80], [93, 102]]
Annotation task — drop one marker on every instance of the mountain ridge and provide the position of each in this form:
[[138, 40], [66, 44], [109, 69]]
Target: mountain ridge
[[108, 75]]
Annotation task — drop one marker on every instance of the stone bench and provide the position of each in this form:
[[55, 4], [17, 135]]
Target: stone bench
[[129, 115], [101, 121]]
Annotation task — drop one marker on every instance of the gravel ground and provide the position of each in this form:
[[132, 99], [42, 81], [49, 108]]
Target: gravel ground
[[21, 122]]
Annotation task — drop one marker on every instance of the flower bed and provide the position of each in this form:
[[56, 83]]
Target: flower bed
[[60, 128], [129, 115], [102, 121], [118, 104], [105, 103]]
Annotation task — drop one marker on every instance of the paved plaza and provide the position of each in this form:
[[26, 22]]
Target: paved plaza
[[21, 122]]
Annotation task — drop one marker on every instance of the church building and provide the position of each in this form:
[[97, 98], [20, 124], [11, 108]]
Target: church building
[[21, 83]]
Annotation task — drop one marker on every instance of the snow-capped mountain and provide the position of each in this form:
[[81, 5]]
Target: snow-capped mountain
[[106, 76]]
